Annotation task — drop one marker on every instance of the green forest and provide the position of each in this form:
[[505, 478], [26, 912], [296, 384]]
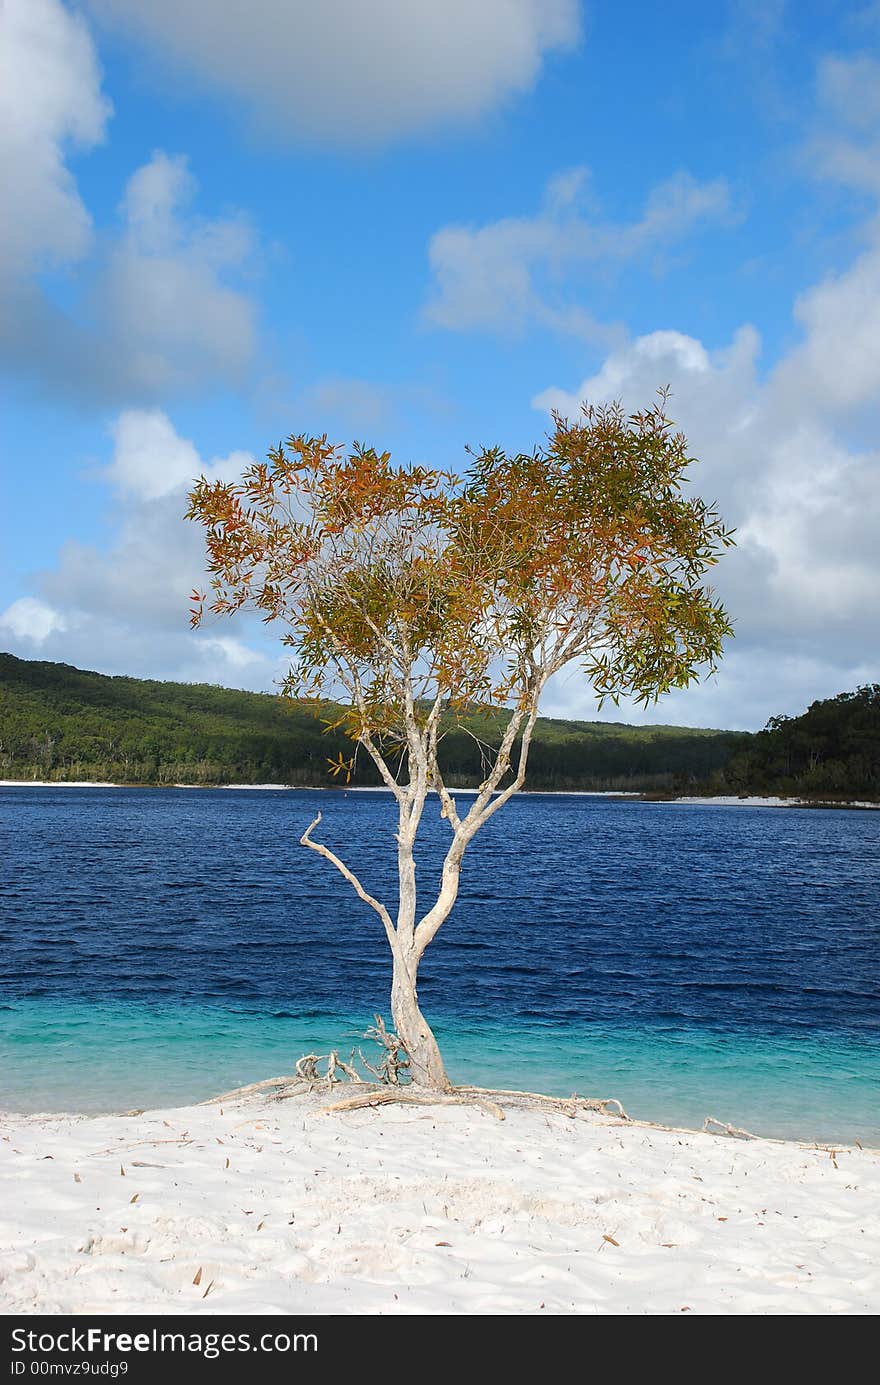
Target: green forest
[[62, 723], [59, 722], [831, 752]]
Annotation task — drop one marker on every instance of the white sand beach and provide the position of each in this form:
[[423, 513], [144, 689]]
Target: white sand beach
[[716, 801], [754, 801], [256, 1206], [57, 784]]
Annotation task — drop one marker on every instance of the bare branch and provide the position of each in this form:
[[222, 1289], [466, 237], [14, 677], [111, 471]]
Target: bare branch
[[306, 840], [353, 681], [381, 764], [501, 798], [481, 810]]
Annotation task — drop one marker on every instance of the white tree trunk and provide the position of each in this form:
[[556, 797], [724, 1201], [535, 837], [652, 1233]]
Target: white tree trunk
[[409, 939], [410, 1025], [426, 1065]]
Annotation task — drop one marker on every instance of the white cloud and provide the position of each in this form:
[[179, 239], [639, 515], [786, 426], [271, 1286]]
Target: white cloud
[[125, 609], [838, 361], [50, 100], [792, 458], [752, 686], [157, 311], [31, 620], [151, 460], [706, 387], [354, 73], [236, 654], [162, 297], [800, 483], [161, 313], [507, 274]]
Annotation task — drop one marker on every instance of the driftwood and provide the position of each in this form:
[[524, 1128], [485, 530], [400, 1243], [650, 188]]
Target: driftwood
[[307, 1068]]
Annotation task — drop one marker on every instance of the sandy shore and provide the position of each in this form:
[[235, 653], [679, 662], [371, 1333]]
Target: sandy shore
[[719, 800], [729, 801], [57, 784], [255, 1206]]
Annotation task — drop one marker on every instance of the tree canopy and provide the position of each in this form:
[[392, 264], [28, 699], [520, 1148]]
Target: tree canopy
[[400, 585]]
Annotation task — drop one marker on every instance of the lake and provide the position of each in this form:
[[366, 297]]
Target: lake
[[158, 946]]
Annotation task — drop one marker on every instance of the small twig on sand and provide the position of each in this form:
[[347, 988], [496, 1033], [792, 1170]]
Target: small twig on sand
[[136, 1144], [711, 1126]]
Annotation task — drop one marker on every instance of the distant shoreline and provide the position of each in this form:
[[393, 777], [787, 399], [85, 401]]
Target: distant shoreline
[[296, 788], [692, 800]]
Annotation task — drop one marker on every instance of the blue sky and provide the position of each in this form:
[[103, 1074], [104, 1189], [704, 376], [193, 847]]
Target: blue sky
[[425, 226]]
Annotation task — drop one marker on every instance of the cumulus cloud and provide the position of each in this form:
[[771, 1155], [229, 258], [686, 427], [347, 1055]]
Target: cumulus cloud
[[802, 490], [507, 274], [160, 313], [157, 309], [161, 296], [31, 620], [791, 455], [50, 102], [151, 460], [838, 360], [345, 72], [124, 609]]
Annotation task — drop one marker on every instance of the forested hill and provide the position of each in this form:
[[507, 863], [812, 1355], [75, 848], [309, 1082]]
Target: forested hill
[[832, 751], [59, 722]]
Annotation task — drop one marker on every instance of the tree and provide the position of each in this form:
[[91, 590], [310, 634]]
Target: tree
[[418, 595]]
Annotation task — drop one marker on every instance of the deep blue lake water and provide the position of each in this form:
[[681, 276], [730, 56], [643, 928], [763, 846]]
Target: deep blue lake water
[[157, 946]]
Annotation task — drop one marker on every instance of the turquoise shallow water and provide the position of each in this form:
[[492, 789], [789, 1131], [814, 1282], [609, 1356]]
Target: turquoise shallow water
[[159, 946], [78, 1056]]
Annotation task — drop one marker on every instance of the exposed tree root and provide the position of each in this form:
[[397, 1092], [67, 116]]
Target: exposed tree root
[[251, 1087], [488, 1099], [384, 1094], [409, 1097], [567, 1104], [394, 1060], [392, 1083]]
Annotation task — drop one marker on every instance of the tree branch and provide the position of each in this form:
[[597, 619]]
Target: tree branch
[[353, 682], [306, 840], [480, 812], [514, 787]]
